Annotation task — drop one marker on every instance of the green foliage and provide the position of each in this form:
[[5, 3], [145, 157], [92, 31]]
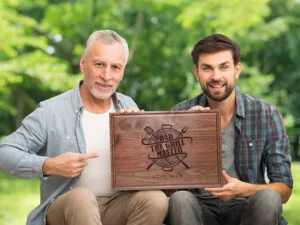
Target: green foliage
[[252, 81], [276, 51], [228, 17], [18, 198], [44, 40], [290, 209]]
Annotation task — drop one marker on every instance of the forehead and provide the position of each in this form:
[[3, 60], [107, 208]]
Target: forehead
[[113, 53], [215, 58]]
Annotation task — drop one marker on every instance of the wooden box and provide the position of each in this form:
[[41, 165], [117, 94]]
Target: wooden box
[[165, 150]]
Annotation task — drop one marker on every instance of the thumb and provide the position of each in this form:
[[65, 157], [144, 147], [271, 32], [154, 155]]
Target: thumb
[[226, 176]]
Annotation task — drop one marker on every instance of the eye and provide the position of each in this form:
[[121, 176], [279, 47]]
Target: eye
[[224, 67], [205, 68], [99, 64], [116, 68]]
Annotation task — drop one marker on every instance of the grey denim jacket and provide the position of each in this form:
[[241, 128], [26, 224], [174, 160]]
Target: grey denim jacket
[[51, 129]]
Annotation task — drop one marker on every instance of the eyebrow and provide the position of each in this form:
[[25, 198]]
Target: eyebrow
[[227, 62], [102, 61], [118, 65], [221, 64]]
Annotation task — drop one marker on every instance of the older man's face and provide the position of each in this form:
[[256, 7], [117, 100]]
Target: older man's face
[[103, 67]]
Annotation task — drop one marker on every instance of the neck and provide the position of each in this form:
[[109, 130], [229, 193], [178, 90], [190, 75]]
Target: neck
[[225, 107]]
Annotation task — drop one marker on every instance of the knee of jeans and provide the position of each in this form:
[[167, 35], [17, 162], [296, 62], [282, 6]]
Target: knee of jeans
[[182, 197], [268, 199]]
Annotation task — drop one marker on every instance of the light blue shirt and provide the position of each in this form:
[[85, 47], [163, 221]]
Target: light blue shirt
[[53, 128]]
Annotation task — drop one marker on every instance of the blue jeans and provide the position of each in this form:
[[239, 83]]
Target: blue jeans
[[263, 207]]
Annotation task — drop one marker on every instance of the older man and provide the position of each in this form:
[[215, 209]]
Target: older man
[[65, 143]]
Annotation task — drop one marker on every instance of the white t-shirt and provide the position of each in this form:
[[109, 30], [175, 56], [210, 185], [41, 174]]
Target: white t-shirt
[[96, 176]]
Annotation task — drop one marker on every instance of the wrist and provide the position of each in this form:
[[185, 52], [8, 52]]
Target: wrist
[[47, 167], [249, 189]]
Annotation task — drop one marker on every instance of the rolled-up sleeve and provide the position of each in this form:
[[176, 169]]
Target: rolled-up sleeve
[[278, 158], [19, 151]]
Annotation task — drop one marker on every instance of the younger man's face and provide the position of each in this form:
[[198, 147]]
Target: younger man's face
[[216, 74]]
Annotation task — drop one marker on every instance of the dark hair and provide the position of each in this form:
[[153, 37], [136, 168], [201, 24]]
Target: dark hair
[[215, 43]]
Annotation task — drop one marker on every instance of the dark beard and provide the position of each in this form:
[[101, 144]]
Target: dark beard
[[219, 98]]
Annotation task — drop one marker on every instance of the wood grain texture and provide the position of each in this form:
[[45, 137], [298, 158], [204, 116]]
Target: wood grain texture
[[165, 150]]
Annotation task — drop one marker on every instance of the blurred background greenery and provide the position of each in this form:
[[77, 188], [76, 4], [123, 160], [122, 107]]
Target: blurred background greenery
[[41, 42]]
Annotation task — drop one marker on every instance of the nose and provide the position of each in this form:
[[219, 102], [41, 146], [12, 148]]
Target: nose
[[106, 73], [216, 74]]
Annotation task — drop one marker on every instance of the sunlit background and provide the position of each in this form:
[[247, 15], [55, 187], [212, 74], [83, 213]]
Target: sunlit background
[[41, 42]]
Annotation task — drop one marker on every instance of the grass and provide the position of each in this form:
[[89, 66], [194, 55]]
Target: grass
[[291, 208], [18, 197]]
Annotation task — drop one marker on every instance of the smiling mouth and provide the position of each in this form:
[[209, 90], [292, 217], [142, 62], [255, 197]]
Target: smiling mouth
[[103, 85], [216, 85]]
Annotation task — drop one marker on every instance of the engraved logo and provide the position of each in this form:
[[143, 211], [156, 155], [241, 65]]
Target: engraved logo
[[166, 146]]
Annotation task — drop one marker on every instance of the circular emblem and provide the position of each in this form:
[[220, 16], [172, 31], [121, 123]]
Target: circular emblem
[[166, 146]]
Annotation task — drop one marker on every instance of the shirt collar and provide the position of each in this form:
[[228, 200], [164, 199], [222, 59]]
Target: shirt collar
[[240, 107]]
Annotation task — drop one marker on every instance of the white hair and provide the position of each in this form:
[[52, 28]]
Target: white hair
[[107, 37]]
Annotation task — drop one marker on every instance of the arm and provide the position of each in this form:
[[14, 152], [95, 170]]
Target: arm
[[68, 164], [235, 188], [276, 157], [282, 189], [18, 152]]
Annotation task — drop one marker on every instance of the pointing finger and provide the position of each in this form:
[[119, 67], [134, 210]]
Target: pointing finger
[[89, 155]]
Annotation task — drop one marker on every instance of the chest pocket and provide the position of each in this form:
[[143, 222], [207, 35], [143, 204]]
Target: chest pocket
[[250, 153], [65, 144]]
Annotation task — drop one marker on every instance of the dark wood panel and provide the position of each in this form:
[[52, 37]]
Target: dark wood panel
[[165, 150]]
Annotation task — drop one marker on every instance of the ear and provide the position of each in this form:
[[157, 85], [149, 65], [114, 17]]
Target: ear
[[237, 70], [82, 62], [196, 74]]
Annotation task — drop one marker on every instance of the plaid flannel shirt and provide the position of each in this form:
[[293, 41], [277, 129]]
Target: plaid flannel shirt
[[261, 142]]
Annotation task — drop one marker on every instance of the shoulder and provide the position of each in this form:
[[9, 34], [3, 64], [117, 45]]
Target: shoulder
[[258, 104], [258, 111], [59, 100], [189, 103], [125, 101], [64, 104], [250, 106], [53, 112]]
